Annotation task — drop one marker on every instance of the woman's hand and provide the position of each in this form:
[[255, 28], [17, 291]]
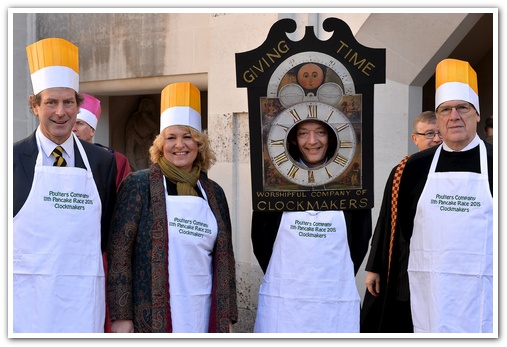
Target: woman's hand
[[122, 326]]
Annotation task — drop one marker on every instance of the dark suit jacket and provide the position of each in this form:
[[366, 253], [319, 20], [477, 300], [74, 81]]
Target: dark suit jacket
[[102, 163]]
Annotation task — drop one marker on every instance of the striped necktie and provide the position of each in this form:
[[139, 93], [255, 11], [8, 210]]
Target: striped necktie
[[58, 153]]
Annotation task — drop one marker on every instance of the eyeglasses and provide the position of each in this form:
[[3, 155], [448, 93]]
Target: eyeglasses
[[461, 109], [429, 135]]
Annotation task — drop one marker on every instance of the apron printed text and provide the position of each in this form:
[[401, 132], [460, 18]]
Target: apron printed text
[[455, 203], [68, 200], [309, 229], [190, 227]]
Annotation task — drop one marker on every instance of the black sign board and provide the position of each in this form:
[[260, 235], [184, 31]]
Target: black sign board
[[301, 90]]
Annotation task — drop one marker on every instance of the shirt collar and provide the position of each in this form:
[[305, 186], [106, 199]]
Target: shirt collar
[[48, 146], [474, 143], [301, 161]]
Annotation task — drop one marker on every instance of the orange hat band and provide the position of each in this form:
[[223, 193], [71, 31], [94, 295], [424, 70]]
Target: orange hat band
[[54, 77], [180, 115]]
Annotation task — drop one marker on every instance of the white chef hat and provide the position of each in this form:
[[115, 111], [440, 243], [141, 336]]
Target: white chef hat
[[180, 105], [53, 63], [456, 80]]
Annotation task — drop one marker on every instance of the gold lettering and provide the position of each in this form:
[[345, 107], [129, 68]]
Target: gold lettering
[[329, 116], [314, 207], [341, 160], [279, 205], [261, 206], [276, 142], [248, 77], [363, 202], [346, 144], [312, 111], [343, 44], [271, 56], [355, 62], [260, 68], [328, 173], [283, 127], [311, 178], [283, 47], [265, 62], [280, 159], [321, 204], [293, 171], [291, 203], [362, 64], [295, 115], [369, 66], [342, 127]]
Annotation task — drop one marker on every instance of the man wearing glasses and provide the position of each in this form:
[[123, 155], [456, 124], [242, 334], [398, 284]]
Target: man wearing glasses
[[391, 314], [425, 133], [445, 213]]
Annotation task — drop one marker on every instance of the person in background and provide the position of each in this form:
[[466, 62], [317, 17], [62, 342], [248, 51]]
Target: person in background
[[445, 213], [171, 260], [60, 185], [85, 127], [386, 304], [309, 283], [488, 130], [425, 132]]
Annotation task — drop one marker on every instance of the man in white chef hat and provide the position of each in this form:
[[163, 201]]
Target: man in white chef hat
[[446, 214], [63, 197]]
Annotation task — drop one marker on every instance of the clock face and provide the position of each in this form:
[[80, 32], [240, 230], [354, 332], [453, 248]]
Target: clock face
[[284, 152]]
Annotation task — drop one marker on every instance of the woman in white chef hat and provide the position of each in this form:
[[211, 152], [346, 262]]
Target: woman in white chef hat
[[171, 262]]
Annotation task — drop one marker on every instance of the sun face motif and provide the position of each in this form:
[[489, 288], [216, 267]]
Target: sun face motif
[[310, 76]]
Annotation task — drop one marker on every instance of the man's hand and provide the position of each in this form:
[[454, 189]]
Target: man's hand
[[373, 283]]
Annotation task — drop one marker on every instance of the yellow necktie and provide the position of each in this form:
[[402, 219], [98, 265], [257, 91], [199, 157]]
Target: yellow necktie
[[58, 153]]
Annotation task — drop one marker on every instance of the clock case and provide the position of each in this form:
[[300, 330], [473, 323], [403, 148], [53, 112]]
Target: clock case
[[255, 69]]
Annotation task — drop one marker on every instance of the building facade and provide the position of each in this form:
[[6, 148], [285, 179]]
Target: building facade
[[127, 58]]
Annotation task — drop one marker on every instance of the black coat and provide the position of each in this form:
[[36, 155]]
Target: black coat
[[102, 163], [390, 311]]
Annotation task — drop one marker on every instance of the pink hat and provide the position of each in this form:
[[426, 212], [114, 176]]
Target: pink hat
[[90, 110]]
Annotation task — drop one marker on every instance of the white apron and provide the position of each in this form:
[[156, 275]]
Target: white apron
[[192, 234], [309, 285], [58, 275], [451, 252]]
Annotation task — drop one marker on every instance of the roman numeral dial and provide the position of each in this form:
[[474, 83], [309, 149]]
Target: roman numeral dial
[[285, 157]]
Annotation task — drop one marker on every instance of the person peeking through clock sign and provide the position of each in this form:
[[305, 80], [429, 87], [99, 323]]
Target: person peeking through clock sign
[[310, 76], [311, 143], [310, 258]]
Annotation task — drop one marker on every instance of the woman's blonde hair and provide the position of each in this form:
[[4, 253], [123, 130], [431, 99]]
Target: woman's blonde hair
[[205, 157]]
